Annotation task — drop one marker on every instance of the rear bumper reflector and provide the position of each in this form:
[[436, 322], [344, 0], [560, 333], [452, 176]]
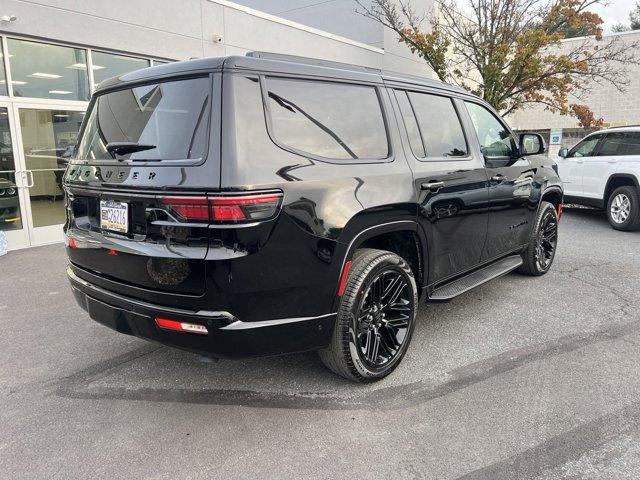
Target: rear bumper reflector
[[177, 326]]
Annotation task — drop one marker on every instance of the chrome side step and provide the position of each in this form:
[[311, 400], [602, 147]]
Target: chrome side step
[[473, 279]]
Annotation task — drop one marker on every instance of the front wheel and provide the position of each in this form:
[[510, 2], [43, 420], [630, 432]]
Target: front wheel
[[623, 208], [539, 255], [375, 319]]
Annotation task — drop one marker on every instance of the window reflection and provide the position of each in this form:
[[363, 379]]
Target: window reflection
[[107, 65], [3, 77], [42, 70], [10, 218], [495, 139], [48, 137], [330, 120]]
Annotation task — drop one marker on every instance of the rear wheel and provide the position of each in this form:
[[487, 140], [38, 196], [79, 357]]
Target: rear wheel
[[375, 319], [623, 208], [541, 251]]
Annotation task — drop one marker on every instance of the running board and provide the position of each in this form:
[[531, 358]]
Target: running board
[[473, 279]]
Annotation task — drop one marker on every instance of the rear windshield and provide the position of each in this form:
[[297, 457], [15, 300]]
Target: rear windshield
[[161, 121]]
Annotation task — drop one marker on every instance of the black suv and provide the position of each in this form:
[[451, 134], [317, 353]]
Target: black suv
[[261, 205]]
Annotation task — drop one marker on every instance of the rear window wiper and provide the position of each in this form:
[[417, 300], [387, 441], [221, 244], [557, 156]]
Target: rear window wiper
[[122, 148]]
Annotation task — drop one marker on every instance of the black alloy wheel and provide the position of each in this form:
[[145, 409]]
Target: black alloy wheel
[[383, 318], [546, 241], [375, 319], [538, 256]]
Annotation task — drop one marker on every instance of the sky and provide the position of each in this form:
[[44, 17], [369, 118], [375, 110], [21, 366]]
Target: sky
[[616, 12]]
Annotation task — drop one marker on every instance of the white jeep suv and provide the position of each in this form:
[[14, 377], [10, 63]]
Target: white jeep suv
[[603, 171]]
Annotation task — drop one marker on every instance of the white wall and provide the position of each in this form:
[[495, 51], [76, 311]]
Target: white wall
[[616, 108], [183, 29]]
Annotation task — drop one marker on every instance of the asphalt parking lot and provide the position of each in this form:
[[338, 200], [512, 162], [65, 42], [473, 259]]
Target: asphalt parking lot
[[520, 378]]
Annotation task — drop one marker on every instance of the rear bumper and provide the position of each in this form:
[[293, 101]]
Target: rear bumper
[[227, 337]]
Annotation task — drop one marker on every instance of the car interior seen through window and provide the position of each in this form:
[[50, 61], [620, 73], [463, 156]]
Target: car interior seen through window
[[495, 139], [585, 148], [439, 124], [329, 120]]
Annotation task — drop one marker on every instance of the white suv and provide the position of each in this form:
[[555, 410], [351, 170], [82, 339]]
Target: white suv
[[603, 171]]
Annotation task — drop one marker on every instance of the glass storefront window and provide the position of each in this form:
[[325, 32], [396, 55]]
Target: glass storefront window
[[10, 217], [48, 138], [107, 65], [43, 70], [3, 77]]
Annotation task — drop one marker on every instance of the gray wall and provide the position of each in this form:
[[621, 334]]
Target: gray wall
[[616, 108], [183, 29]]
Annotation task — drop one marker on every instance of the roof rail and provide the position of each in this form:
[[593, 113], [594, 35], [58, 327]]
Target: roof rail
[[312, 61]]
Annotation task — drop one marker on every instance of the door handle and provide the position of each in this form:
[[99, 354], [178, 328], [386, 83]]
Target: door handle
[[499, 178], [30, 181], [433, 186]]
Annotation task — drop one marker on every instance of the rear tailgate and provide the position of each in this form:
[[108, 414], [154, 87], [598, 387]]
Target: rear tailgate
[[140, 145]]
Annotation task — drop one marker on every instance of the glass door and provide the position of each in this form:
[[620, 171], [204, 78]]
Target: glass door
[[46, 138], [12, 183]]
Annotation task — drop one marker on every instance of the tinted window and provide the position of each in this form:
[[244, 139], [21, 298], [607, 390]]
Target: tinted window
[[611, 144], [329, 120], [168, 120], [495, 139], [585, 148], [3, 77], [415, 138], [629, 144], [47, 71], [439, 125]]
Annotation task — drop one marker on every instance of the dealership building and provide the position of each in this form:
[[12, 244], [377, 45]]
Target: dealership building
[[54, 53]]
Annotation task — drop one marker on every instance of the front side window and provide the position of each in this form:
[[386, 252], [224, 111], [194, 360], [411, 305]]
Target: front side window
[[107, 65], [162, 121], [326, 119], [585, 148], [42, 70], [495, 139], [439, 124]]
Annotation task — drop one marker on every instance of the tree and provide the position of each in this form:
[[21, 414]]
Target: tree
[[634, 17], [510, 52], [585, 116], [620, 27]]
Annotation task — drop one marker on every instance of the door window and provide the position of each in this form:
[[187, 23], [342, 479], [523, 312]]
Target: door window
[[439, 125], [630, 144], [585, 148], [411, 124], [611, 145], [494, 137], [329, 120]]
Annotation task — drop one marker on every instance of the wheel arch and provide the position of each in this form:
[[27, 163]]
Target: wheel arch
[[619, 180], [404, 238]]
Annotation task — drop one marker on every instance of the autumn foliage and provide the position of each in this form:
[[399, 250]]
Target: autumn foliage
[[511, 52]]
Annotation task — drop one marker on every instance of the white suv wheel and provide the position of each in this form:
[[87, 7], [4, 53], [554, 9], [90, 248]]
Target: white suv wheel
[[620, 208]]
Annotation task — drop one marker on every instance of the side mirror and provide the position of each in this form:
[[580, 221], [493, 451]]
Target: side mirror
[[564, 152], [532, 144]]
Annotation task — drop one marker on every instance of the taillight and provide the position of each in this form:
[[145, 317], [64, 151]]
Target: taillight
[[225, 208], [193, 209], [245, 207]]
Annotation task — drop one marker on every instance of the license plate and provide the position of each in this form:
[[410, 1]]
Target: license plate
[[114, 216]]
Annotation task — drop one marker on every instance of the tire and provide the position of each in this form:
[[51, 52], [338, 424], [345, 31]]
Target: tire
[[539, 255], [623, 209], [360, 325]]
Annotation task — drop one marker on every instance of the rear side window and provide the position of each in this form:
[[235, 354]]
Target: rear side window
[[161, 121], [439, 125], [612, 144], [326, 119], [621, 144]]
